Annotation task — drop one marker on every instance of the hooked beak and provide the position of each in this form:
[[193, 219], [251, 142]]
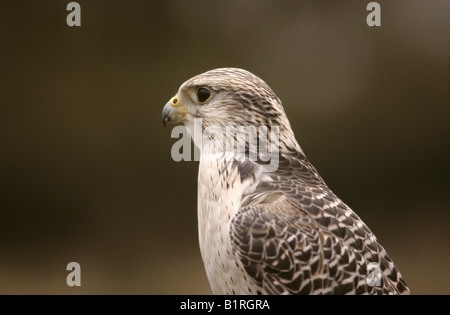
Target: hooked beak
[[173, 112]]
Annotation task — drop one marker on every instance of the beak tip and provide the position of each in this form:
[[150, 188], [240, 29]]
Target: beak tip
[[164, 118]]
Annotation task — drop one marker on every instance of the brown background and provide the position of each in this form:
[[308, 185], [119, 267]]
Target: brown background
[[85, 167]]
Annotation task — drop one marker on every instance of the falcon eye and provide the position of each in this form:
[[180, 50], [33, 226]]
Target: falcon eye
[[203, 95]]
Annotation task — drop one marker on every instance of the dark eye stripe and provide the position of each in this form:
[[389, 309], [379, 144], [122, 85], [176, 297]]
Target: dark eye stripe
[[203, 95]]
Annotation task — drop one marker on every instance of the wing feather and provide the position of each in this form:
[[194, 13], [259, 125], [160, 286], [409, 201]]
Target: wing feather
[[285, 252]]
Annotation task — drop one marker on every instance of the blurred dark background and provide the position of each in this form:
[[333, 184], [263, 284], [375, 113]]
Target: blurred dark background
[[85, 166]]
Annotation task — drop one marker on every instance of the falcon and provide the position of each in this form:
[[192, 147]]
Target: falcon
[[276, 231]]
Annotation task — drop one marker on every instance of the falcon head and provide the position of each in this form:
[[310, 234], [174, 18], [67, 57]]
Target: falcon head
[[229, 97]]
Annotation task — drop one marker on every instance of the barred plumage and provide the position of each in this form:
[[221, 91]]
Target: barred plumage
[[280, 232]]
